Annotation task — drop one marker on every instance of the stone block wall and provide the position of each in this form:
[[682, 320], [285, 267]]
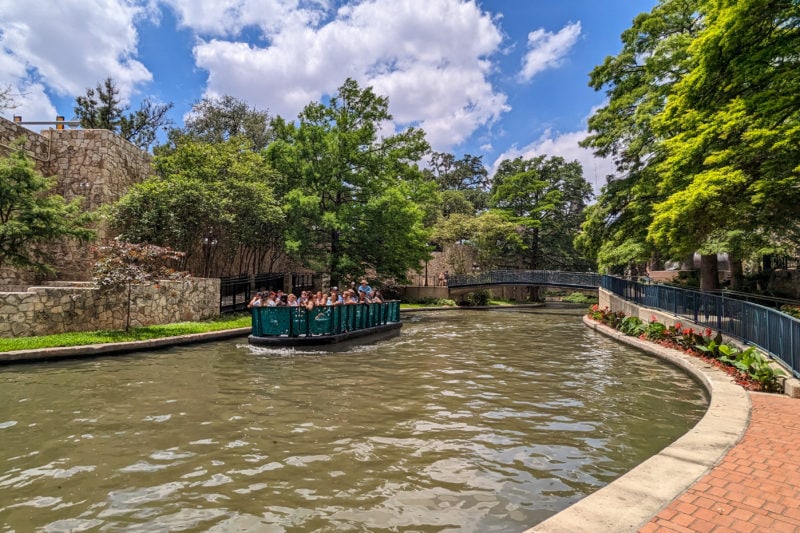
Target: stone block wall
[[72, 307], [96, 166]]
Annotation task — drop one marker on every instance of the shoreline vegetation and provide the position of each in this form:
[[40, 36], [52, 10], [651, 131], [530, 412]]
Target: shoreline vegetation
[[236, 321]]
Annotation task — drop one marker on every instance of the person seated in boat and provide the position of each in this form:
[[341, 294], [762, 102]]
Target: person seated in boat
[[335, 298], [365, 288], [350, 297], [302, 299], [270, 301], [363, 298], [376, 297], [280, 298], [255, 301], [320, 299], [291, 300]]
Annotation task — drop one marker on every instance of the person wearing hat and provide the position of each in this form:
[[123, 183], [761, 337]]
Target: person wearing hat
[[335, 298], [365, 288]]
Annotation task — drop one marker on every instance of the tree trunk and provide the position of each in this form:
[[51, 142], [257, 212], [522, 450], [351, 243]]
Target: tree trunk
[[533, 293], [737, 274], [709, 273]]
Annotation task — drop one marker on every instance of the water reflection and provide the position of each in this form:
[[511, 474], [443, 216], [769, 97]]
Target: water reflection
[[487, 421]]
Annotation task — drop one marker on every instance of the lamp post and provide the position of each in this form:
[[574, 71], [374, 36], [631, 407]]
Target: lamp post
[[208, 247]]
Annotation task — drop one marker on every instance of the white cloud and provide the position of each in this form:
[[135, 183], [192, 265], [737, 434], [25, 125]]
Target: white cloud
[[430, 57], [564, 145], [227, 18], [67, 46], [547, 50]]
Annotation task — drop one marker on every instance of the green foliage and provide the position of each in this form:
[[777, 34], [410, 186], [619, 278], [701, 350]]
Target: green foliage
[[632, 326], [216, 120], [475, 299], [579, 298], [355, 201], [703, 122], [221, 193], [32, 217], [730, 127], [101, 108], [750, 362], [791, 310], [606, 316], [544, 198]]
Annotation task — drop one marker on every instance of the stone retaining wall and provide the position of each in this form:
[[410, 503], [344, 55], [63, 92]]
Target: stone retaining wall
[[83, 307]]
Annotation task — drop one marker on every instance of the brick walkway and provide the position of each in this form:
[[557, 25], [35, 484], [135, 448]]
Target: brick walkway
[[756, 486]]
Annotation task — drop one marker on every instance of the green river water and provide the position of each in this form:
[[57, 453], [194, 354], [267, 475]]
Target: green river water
[[468, 421]]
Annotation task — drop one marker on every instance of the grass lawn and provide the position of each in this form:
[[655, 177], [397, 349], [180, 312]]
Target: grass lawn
[[134, 334]]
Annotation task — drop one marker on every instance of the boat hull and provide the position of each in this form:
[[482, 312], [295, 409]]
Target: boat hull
[[335, 341]]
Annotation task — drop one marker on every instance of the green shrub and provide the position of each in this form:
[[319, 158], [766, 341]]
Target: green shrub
[[655, 331], [579, 298], [791, 310], [475, 299], [632, 326]]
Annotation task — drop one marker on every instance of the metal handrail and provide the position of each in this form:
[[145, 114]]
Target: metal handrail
[[777, 333], [583, 280]]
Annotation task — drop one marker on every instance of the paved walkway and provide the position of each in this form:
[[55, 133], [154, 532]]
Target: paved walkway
[[756, 486]]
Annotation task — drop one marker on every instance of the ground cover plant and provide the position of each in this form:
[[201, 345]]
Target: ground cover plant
[[134, 334], [749, 368]]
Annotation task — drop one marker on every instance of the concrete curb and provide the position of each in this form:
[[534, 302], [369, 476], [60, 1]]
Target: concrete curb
[[628, 503], [96, 350]]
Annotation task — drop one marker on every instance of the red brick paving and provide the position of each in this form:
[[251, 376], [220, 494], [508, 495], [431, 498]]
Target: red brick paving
[[756, 486]]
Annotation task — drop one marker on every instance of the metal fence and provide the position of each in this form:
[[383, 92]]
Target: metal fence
[[234, 293], [322, 320], [583, 280], [776, 333]]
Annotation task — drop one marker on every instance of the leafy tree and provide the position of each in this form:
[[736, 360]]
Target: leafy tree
[[355, 201], [101, 108], [544, 198], [216, 120], [498, 240], [220, 193], [31, 216], [122, 265], [638, 80], [467, 175], [731, 131]]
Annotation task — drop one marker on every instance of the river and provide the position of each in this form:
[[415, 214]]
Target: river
[[468, 421]]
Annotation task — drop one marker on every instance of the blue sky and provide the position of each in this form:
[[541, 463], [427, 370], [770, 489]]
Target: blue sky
[[497, 78]]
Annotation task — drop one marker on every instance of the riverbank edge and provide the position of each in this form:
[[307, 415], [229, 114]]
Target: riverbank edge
[[629, 502], [116, 348]]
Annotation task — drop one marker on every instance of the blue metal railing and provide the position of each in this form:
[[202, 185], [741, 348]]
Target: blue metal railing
[[583, 280], [322, 320], [776, 333]]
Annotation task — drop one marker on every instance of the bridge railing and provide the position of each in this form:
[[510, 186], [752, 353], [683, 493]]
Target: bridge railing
[[322, 320], [772, 331], [527, 277]]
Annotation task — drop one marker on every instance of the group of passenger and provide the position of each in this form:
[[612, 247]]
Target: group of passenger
[[364, 294]]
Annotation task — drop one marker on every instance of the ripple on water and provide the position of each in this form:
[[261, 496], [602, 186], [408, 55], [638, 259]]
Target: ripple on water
[[466, 421]]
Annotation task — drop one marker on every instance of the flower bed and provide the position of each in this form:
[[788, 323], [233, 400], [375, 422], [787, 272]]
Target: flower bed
[[749, 368]]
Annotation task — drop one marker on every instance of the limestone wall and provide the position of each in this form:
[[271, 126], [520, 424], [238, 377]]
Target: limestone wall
[[96, 166], [83, 307]]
